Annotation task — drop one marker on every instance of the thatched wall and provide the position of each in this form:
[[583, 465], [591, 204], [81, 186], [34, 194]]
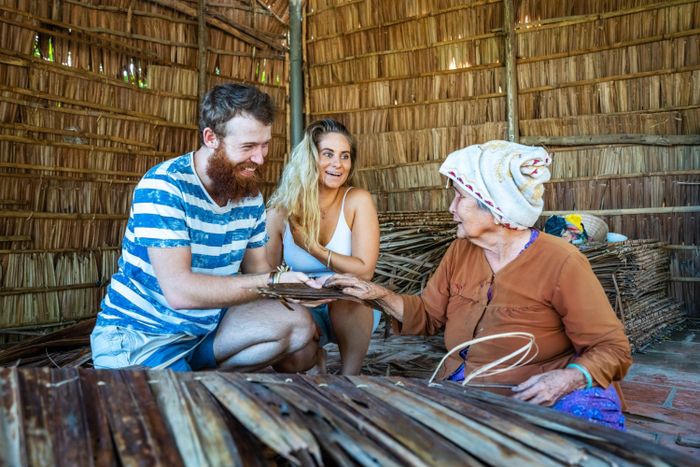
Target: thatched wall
[[92, 94], [612, 88]]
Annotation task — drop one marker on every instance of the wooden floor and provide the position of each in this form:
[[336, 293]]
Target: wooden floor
[[662, 390]]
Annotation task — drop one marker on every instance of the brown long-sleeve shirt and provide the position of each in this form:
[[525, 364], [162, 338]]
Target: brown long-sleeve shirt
[[549, 290]]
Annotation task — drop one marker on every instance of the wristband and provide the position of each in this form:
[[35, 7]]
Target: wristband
[[582, 369], [328, 259]]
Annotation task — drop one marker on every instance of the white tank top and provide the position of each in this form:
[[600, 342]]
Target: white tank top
[[300, 260]]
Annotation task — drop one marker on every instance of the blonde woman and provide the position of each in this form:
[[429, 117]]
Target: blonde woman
[[319, 224]]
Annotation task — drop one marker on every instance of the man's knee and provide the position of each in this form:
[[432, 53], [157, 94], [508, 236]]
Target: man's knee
[[301, 328]]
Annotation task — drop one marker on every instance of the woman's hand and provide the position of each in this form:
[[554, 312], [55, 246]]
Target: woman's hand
[[547, 388], [296, 230], [351, 285], [294, 277]]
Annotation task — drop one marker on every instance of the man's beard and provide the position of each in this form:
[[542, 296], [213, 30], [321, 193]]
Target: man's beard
[[228, 182]]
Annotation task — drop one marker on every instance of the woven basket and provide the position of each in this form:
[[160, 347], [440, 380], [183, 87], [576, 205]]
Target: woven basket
[[596, 228]]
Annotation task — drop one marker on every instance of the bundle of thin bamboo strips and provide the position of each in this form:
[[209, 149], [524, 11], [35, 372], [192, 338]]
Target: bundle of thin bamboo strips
[[628, 192], [669, 122], [614, 96], [622, 62], [419, 89], [567, 35], [611, 160]]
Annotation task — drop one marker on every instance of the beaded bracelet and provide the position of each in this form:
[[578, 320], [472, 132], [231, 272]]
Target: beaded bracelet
[[582, 369]]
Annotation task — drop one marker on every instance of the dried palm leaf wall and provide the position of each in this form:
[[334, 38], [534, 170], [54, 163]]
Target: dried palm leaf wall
[[611, 87], [92, 94]]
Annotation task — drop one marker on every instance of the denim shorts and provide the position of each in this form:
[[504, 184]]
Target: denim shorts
[[322, 319], [123, 347]]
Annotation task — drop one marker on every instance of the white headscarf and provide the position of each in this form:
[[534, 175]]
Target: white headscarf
[[506, 177]]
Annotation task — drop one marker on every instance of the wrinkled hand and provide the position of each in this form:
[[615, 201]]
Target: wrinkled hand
[[351, 285], [294, 277], [547, 388]]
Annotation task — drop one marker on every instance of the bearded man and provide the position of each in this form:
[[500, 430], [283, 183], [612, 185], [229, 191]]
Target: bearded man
[[178, 299]]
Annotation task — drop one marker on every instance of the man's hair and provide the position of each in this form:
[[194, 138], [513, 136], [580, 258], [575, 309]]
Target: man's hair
[[226, 101]]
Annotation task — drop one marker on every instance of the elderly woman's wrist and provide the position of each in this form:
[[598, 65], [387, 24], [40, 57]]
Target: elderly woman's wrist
[[581, 374]]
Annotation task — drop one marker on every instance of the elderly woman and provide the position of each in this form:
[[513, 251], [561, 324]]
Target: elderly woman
[[501, 275]]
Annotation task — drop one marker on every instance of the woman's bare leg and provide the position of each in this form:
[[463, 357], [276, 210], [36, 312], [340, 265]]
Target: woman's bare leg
[[352, 324]]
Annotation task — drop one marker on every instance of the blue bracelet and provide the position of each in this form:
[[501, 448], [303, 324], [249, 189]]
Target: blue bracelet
[[582, 369]]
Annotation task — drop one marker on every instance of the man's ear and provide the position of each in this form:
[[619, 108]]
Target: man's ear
[[209, 138]]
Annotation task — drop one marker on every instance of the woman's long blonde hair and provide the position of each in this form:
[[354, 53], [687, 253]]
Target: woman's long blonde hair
[[297, 192]]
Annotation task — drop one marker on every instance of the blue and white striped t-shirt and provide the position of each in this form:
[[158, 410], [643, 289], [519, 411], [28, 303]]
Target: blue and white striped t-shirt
[[171, 208]]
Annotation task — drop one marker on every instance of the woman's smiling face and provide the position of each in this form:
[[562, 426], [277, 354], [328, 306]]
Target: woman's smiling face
[[334, 160]]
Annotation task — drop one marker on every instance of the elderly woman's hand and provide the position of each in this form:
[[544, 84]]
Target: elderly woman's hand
[[547, 388], [351, 285]]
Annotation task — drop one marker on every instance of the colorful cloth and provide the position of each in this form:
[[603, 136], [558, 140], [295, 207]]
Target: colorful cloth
[[506, 177], [597, 405], [568, 227], [171, 208]]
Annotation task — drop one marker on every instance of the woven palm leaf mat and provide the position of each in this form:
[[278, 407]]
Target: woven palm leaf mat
[[85, 417]]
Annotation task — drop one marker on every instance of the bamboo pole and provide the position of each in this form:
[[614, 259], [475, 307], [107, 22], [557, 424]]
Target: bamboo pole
[[81, 134], [76, 216], [117, 9], [554, 180], [15, 238], [493, 95], [61, 250], [267, 10], [87, 147], [296, 78], [202, 41], [225, 25], [617, 45], [551, 23], [627, 211], [511, 72], [257, 54], [641, 139], [615, 78], [56, 288]]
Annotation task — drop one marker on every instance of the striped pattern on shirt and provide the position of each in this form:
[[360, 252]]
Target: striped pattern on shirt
[[171, 208]]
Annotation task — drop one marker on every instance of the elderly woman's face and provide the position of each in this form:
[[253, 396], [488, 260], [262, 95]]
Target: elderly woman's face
[[334, 161], [471, 220]]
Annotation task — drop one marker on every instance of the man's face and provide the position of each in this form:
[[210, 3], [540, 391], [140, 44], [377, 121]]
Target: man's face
[[233, 168]]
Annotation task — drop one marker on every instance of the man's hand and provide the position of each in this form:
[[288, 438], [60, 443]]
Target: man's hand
[[547, 388]]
